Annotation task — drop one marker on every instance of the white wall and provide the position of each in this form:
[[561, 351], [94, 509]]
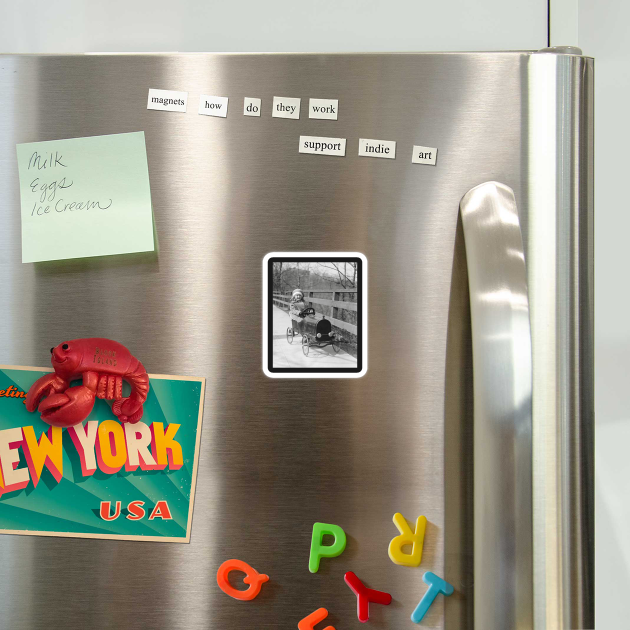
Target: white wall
[[604, 27], [270, 25]]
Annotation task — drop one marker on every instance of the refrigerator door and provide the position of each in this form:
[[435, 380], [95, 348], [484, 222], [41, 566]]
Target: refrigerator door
[[278, 455]]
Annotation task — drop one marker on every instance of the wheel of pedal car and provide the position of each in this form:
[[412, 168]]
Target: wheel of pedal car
[[290, 335], [305, 346], [336, 345]]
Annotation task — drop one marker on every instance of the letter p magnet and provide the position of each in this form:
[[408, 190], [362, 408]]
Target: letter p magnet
[[319, 551]]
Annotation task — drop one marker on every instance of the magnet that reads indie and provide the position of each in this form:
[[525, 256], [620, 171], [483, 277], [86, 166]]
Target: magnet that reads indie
[[107, 446], [377, 148]]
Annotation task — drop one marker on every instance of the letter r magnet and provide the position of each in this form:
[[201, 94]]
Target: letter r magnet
[[407, 537]]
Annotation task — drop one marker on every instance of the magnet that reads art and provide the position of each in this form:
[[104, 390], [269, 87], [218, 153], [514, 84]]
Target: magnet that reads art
[[100, 478]]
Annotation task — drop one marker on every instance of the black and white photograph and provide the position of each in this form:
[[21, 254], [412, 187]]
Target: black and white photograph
[[314, 315]]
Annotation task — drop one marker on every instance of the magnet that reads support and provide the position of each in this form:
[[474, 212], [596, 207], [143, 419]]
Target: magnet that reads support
[[365, 596], [252, 577], [436, 586], [319, 551], [407, 537], [308, 623]]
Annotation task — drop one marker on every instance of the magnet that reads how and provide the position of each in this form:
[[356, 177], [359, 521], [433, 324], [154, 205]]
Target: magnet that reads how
[[101, 478], [213, 105]]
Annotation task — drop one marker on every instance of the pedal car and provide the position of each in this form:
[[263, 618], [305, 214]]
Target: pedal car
[[320, 335]]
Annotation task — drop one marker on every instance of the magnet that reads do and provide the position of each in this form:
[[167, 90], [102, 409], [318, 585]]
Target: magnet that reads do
[[407, 537], [252, 577], [319, 550]]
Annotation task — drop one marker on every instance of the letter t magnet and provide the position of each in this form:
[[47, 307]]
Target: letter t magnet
[[436, 586], [407, 537]]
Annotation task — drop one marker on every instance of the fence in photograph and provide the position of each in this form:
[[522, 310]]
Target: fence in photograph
[[334, 309]]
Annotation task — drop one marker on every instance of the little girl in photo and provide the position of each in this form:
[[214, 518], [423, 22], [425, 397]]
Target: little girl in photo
[[295, 307]]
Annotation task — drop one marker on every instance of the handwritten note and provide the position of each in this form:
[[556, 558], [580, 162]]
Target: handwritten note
[[85, 197]]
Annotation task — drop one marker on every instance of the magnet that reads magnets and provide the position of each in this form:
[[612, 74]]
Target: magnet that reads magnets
[[252, 577], [319, 550], [407, 537], [308, 623]]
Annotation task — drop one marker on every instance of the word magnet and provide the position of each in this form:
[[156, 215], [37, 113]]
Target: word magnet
[[436, 586], [319, 550], [285, 107], [167, 100], [424, 155], [407, 537], [365, 595], [252, 577], [251, 106], [377, 148], [213, 106]]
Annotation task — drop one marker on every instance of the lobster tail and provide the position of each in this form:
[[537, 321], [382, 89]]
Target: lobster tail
[[130, 409], [139, 381]]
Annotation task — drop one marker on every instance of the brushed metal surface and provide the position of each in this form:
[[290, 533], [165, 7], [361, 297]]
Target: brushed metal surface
[[560, 276], [502, 368], [276, 455]]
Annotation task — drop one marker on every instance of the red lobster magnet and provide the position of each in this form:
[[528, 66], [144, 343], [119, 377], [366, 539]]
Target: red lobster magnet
[[103, 364]]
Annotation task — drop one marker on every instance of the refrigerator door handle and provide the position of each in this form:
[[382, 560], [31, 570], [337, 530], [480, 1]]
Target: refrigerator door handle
[[502, 374]]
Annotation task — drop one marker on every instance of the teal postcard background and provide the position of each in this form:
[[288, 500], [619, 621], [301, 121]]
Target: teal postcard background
[[72, 505]]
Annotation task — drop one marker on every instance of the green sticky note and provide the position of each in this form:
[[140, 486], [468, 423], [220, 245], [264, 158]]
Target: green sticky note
[[85, 197]]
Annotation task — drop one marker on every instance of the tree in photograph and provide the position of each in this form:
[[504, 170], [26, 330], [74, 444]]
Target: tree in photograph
[[344, 273]]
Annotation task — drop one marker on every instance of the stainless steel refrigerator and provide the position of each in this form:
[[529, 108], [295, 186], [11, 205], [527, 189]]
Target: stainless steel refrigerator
[[476, 409]]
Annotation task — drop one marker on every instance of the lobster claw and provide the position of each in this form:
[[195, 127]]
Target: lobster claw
[[43, 386], [68, 408]]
